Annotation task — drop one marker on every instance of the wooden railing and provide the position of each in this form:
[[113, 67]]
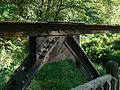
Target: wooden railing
[[110, 81]]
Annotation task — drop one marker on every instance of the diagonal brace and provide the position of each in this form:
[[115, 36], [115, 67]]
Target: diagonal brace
[[81, 57]]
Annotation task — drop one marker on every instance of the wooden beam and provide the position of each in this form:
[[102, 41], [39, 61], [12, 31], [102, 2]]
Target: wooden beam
[[54, 28], [89, 69]]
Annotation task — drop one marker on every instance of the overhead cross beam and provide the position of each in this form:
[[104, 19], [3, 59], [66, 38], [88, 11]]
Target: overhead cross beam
[[54, 28]]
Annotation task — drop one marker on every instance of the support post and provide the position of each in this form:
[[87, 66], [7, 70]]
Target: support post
[[38, 57], [112, 68], [80, 55], [17, 80]]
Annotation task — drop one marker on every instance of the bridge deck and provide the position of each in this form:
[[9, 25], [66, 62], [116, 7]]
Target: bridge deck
[[54, 28]]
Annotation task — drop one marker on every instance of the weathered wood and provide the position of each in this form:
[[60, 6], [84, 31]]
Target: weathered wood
[[94, 83], [59, 53], [87, 86], [53, 28], [119, 70], [17, 80], [114, 83], [21, 78], [112, 68], [82, 69], [80, 55], [107, 85], [106, 82]]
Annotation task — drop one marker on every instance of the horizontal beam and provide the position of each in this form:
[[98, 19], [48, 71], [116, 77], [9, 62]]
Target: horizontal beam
[[54, 28]]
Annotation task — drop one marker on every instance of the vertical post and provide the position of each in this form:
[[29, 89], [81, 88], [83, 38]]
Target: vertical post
[[112, 68], [19, 80], [32, 53]]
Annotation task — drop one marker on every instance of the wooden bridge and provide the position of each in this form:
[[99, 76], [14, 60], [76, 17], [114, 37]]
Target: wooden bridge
[[50, 42]]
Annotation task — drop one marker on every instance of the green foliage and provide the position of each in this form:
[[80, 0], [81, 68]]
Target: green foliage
[[57, 76], [12, 53], [9, 12], [92, 11], [102, 47]]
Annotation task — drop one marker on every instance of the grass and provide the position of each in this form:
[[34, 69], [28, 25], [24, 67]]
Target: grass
[[100, 69], [57, 76]]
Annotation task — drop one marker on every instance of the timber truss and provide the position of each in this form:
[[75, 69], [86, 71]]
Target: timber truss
[[51, 42]]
